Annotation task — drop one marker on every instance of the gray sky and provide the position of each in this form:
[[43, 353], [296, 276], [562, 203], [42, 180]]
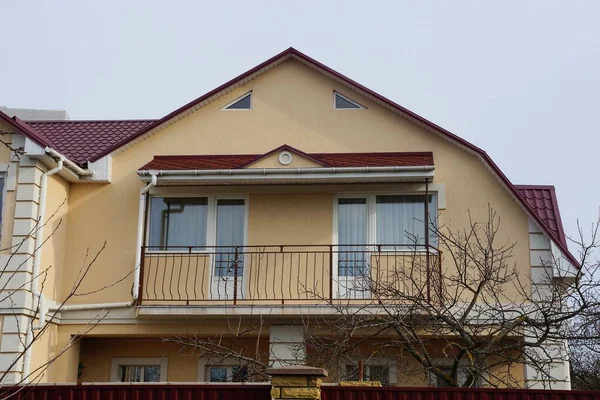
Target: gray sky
[[521, 79]]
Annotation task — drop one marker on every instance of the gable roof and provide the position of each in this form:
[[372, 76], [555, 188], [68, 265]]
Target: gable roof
[[340, 160], [291, 53], [542, 198]]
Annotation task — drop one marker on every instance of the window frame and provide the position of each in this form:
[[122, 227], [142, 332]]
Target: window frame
[[376, 362], [372, 216], [204, 365], [225, 107], [211, 219], [139, 361], [357, 104]]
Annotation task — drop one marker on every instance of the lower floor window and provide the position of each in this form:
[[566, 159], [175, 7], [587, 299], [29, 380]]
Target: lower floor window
[[228, 373], [139, 373], [138, 370], [437, 381], [371, 372]]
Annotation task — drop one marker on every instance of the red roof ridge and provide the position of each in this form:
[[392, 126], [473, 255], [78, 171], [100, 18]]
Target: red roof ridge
[[284, 55], [53, 121], [293, 53], [25, 129]]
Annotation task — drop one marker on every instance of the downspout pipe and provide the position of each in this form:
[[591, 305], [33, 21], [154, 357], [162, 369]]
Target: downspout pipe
[[136, 270], [140, 236], [68, 163], [37, 261]]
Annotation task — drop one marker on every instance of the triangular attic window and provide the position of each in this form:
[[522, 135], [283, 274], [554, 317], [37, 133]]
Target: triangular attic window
[[242, 103], [343, 103]]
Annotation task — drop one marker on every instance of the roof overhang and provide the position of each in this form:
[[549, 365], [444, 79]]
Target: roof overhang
[[291, 175]]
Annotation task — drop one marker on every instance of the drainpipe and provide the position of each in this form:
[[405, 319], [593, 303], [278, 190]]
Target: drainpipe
[[136, 270], [37, 261], [140, 236]]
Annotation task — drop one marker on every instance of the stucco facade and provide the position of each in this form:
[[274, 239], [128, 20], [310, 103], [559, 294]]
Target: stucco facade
[[291, 104]]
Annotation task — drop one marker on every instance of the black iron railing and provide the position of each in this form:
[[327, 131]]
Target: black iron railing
[[287, 274]]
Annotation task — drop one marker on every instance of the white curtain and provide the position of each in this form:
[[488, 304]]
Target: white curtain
[[177, 222], [352, 231], [230, 233], [401, 219]]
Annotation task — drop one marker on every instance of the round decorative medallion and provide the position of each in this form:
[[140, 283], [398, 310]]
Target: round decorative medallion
[[285, 158]]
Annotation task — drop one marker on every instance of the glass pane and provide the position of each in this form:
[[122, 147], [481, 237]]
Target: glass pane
[[241, 104], [352, 237], [230, 236], [130, 373], [379, 373], [239, 374], [218, 374], [152, 373], [177, 222], [341, 102], [401, 219]]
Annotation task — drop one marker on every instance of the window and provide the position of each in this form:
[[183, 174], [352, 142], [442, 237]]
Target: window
[[352, 236], [139, 373], [461, 373], [230, 234], [227, 373], [371, 372], [139, 370], [177, 222], [380, 219], [344, 103], [241, 103], [401, 219]]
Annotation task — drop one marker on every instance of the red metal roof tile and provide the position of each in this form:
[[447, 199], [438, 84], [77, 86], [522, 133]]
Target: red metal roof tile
[[237, 161], [80, 141], [542, 199]]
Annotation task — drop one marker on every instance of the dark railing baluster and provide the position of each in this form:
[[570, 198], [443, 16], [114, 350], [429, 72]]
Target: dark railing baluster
[[287, 273], [235, 276]]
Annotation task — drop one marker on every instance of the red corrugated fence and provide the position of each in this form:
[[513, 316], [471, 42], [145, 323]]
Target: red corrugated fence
[[138, 392], [262, 392], [424, 393]]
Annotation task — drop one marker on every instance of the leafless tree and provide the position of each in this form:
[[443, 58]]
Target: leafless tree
[[38, 324], [462, 314], [479, 314]]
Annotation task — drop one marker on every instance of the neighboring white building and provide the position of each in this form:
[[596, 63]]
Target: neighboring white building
[[30, 114]]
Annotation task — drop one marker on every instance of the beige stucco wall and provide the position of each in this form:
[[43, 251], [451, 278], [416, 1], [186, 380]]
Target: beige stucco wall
[[55, 246], [291, 105], [96, 355]]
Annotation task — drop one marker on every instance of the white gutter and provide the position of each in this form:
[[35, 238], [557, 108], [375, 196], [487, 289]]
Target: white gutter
[[97, 306], [70, 164], [140, 237], [287, 171], [37, 261]]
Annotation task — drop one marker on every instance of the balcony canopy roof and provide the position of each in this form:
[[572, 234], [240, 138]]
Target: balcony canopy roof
[[307, 167]]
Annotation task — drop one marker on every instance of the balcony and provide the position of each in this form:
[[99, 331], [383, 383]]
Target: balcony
[[287, 275]]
